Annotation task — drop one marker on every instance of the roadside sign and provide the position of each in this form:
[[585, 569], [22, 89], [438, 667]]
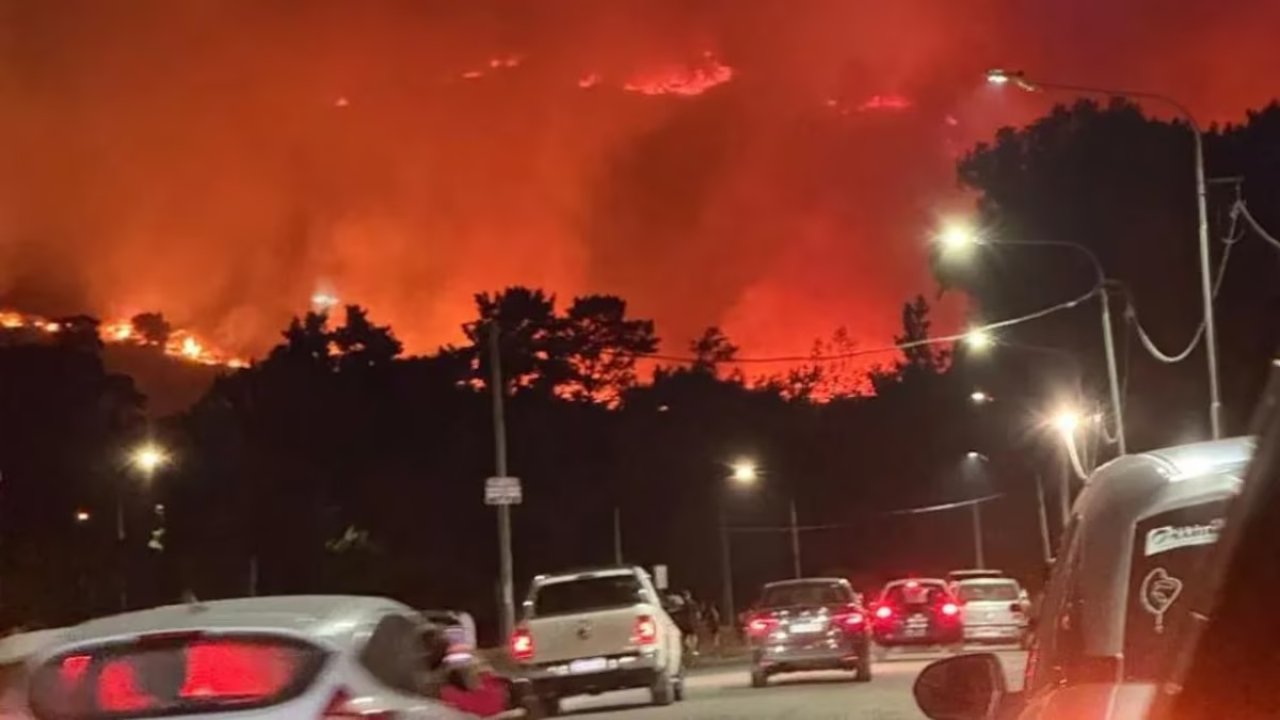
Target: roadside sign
[[502, 491], [660, 579]]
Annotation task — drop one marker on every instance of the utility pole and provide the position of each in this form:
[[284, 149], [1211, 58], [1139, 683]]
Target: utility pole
[[1045, 544], [978, 554], [617, 535], [795, 541], [726, 572], [499, 388]]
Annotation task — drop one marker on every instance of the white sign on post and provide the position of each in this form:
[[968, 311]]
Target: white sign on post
[[502, 491], [660, 579]]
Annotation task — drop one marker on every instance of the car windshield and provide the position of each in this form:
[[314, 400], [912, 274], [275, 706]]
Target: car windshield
[[800, 594], [985, 590], [587, 594]]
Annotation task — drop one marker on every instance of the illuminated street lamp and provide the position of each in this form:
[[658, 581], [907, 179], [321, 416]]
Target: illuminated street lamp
[[1066, 422], [745, 472], [979, 397], [979, 340], [82, 516], [1000, 76], [957, 234], [147, 458]]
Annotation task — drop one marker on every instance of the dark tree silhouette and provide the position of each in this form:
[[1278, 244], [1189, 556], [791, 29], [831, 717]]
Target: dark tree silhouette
[[711, 350], [152, 328], [603, 345]]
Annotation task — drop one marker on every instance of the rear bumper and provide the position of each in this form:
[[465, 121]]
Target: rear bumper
[[623, 672], [935, 636], [814, 656], [994, 633]]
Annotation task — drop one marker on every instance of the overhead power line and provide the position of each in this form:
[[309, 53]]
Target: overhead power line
[[897, 347]]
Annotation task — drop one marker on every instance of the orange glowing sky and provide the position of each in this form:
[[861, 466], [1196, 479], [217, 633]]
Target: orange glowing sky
[[769, 165]]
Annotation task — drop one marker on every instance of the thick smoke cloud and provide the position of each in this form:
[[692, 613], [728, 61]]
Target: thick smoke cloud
[[220, 160]]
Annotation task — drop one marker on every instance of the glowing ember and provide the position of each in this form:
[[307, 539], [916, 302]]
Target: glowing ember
[[11, 320], [191, 348], [118, 331], [686, 81], [885, 102]]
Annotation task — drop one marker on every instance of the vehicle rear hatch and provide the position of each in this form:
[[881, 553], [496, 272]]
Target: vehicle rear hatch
[[990, 602], [587, 616], [172, 674]]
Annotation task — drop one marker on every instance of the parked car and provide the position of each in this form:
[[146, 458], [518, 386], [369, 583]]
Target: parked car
[[916, 612], [595, 631], [262, 658], [1139, 544], [808, 624], [992, 610], [16, 652]]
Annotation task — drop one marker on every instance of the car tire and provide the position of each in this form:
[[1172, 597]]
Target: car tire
[[879, 652], [547, 705], [677, 688], [862, 671], [663, 689], [759, 677]]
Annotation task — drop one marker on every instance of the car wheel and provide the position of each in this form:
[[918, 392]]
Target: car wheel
[[663, 689], [879, 652], [759, 677], [862, 672], [677, 688]]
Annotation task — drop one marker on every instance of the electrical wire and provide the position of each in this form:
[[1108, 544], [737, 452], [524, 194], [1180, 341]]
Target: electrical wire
[[1240, 210], [1131, 311], [1034, 315]]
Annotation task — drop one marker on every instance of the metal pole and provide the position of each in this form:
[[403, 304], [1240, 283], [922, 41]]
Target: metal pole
[[726, 573], [122, 551], [978, 553], [1206, 286], [508, 614], [1064, 491], [1108, 342], [617, 535], [1045, 543], [795, 541]]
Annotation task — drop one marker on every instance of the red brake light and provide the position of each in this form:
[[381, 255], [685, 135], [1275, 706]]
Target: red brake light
[[850, 619], [884, 612], [522, 645], [950, 609], [761, 625], [645, 632], [340, 708]]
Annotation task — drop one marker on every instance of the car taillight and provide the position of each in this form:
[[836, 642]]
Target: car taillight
[[522, 645], [645, 631], [950, 609], [884, 612], [1016, 607], [850, 619], [343, 707], [761, 626]]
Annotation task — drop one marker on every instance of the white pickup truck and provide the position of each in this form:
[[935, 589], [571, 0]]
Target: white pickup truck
[[596, 631]]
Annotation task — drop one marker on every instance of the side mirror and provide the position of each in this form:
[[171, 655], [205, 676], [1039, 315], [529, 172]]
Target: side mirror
[[966, 687]]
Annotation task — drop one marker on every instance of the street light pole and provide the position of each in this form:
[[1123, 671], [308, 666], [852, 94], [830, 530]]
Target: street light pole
[[795, 541], [508, 615], [1000, 77], [978, 554], [726, 570], [1108, 333]]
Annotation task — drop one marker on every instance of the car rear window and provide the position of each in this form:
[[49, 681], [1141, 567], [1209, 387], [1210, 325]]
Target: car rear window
[[796, 594], [163, 676], [1170, 551], [587, 593], [916, 594], [988, 591]]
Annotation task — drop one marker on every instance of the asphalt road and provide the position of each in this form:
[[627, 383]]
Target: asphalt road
[[724, 693]]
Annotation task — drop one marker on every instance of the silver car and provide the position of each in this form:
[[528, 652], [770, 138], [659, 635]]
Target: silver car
[[993, 610], [808, 624]]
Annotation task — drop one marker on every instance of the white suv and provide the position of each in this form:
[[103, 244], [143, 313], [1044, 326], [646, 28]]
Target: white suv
[[596, 631]]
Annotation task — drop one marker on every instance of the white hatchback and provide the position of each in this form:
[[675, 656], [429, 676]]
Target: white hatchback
[[304, 657]]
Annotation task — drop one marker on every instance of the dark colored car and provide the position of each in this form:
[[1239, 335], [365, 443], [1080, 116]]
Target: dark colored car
[[917, 613], [808, 624]]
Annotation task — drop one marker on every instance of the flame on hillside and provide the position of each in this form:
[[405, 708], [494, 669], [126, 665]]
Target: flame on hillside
[[179, 344]]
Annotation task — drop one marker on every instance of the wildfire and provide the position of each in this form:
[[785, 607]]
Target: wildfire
[[180, 344], [682, 80], [885, 102]]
